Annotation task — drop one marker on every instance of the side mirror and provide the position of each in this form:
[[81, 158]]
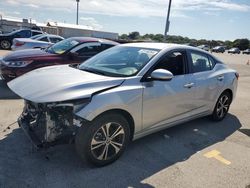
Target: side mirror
[[161, 74]]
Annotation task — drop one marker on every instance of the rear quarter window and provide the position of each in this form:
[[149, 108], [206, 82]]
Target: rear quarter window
[[212, 62]]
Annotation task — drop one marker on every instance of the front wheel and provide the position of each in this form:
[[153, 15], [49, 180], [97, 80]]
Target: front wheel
[[104, 140], [222, 106]]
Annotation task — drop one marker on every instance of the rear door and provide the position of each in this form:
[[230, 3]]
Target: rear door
[[206, 80], [168, 101]]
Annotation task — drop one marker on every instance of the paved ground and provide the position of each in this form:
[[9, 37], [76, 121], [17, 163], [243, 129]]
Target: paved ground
[[176, 157]]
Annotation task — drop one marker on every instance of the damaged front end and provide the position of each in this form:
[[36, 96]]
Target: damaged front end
[[48, 124]]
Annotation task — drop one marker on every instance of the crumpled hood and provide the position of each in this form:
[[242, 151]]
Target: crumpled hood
[[60, 83]]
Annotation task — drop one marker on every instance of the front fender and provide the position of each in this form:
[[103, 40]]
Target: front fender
[[127, 98]]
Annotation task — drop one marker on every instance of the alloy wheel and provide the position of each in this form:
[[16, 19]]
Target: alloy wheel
[[107, 141], [223, 106]]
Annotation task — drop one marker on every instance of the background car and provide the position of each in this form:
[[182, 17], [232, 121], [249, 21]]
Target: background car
[[204, 47], [38, 41], [234, 51], [69, 51], [6, 39], [122, 94], [218, 49], [247, 51]]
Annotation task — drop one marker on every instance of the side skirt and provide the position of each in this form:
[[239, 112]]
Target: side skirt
[[168, 125]]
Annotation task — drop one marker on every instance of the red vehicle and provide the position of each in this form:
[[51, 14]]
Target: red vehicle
[[73, 51]]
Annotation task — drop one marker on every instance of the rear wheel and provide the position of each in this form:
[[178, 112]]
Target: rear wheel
[[5, 44], [104, 140], [222, 106]]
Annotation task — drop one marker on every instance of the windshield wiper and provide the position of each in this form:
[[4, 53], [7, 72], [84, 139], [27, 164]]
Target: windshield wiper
[[93, 71]]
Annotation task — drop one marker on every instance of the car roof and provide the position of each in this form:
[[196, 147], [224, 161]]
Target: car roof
[[93, 39], [49, 35], [170, 46], [29, 30], [161, 46]]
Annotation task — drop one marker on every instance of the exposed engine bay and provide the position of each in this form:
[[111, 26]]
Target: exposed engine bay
[[47, 124]]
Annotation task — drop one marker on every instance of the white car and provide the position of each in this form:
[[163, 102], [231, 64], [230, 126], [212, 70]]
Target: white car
[[204, 47], [122, 94], [38, 41]]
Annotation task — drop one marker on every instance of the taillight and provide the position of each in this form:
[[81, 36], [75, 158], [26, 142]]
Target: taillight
[[237, 75], [19, 43]]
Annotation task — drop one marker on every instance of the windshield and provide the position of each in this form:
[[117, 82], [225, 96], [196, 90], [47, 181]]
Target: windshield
[[62, 46], [119, 61]]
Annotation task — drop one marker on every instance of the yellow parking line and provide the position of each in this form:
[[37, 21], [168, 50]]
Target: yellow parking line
[[216, 154]]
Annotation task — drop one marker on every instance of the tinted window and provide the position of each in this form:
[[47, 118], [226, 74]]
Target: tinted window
[[212, 62], [55, 39], [89, 50], [45, 39], [173, 62], [200, 62], [106, 46], [23, 34], [35, 33]]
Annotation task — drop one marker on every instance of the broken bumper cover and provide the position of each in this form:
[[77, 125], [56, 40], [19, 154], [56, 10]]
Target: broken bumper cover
[[25, 125], [48, 126], [38, 135]]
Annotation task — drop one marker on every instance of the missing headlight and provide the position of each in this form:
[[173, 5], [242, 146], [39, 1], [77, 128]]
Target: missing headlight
[[50, 123]]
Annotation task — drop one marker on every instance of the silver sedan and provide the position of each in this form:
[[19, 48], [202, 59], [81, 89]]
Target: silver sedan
[[37, 41], [122, 94]]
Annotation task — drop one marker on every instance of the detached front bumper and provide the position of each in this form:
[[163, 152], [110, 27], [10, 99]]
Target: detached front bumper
[[49, 127]]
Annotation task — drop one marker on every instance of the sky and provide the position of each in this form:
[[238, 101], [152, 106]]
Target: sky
[[198, 19]]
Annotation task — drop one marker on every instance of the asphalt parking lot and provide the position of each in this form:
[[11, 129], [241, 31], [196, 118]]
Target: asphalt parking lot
[[200, 153]]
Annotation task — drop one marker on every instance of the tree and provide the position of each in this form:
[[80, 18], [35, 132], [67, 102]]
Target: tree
[[242, 44], [134, 35], [124, 36]]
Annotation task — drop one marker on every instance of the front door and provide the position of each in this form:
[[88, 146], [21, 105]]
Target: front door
[[168, 101]]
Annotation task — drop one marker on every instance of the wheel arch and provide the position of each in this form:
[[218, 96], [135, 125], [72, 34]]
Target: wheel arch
[[126, 115], [230, 92], [219, 94]]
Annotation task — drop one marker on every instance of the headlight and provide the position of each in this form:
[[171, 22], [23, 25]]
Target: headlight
[[16, 63], [80, 104], [77, 104]]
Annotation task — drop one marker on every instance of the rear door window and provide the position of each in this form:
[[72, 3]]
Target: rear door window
[[45, 39], [199, 62], [36, 33], [106, 46], [55, 39], [88, 49], [23, 34]]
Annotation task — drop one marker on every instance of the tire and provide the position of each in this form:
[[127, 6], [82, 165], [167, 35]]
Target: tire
[[5, 44], [222, 106], [93, 146]]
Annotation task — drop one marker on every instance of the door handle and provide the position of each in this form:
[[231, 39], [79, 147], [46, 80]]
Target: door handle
[[189, 85], [220, 78]]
